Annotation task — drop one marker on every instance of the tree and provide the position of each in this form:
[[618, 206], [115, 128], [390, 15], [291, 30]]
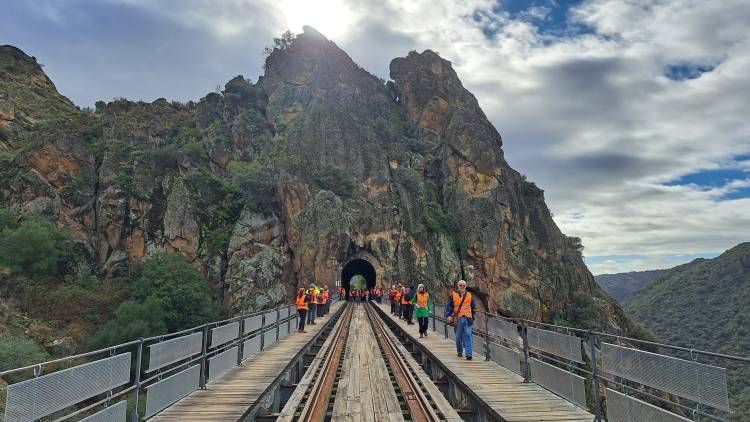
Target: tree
[[182, 292], [7, 219], [131, 321], [286, 41], [33, 248], [256, 184]]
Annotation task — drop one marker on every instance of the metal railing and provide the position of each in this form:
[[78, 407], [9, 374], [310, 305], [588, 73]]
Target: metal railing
[[617, 378], [141, 377]]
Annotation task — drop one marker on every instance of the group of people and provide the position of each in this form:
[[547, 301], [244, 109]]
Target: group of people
[[460, 311], [311, 303], [406, 302], [365, 295]]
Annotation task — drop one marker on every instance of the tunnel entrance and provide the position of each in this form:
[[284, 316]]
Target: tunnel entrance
[[354, 268]]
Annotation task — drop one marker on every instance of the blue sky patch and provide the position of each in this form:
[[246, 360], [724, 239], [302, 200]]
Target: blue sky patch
[[710, 178], [684, 71], [551, 17]]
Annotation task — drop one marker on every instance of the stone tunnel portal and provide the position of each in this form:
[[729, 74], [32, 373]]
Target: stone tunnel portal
[[357, 267]]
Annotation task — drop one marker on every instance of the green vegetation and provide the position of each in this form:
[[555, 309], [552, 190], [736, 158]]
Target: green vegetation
[[705, 305], [33, 247], [334, 178], [255, 183], [17, 350], [169, 296]]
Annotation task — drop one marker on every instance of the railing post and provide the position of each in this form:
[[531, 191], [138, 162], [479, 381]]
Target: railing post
[[486, 337], [262, 327], [434, 327], [203, 358], [289, 320], [278, 315], [525, 338], [240, 345], [137, 382], [595, 377]]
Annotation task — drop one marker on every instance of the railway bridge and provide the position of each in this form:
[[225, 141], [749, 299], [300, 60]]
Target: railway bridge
[[361, 362]]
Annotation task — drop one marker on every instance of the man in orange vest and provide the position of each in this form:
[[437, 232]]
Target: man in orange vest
[[459, 311], [392, 297], [301, 302], [326, 299], [397, 299], [313, 292], [404, 302]]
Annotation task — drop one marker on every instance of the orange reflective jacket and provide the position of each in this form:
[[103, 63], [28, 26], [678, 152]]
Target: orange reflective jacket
[[301, 303], [465, 309], [324, 296], [423, 299]]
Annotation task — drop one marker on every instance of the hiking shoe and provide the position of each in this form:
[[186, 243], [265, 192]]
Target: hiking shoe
[[425, 334], [468, 357], [460, 355]]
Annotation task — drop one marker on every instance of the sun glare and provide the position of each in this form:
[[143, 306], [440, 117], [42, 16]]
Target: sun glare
[[330, 17]]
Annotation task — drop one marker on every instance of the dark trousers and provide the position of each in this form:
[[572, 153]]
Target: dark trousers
[[423, 323], [409, 312], [393, 307], [311, 313], [302, 315]]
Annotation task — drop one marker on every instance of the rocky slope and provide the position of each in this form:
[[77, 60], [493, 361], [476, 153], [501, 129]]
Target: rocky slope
[[622, 286], [270, 185], [704, 304]]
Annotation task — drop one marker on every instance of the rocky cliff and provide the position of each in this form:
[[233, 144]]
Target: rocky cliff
[[271, 185]]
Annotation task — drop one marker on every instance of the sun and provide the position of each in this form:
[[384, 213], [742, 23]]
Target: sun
[[331, 17]]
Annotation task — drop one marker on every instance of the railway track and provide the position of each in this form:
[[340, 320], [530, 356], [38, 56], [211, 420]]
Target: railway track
[[316, 395], [421, 406]]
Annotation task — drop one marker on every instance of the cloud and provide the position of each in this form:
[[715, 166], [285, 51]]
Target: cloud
[[591, 101]]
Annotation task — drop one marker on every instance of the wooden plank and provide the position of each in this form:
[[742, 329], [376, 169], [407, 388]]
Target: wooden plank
[[229, 397], [497, 387]]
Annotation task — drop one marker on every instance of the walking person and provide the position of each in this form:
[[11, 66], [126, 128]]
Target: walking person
[[311, 313], [422, 307], [301, 301], [404, 302], [392, 297], [459, 312], [409, 298], [397, 298], [321, 303], [326, 300]]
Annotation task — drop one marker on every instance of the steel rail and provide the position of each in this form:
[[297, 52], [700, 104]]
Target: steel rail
[[419, 404], [316, 406]]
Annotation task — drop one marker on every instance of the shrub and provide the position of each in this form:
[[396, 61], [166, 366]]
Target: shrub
[[17, 350], [33, 248], [334, 178], [132, 320], [7, 219], [182, 291], [256, 184]]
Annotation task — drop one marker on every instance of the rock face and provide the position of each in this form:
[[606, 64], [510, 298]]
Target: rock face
[[272, 185]]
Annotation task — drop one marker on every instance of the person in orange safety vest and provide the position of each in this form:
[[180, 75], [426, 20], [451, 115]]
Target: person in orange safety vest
[[459, 312], [301, 302]]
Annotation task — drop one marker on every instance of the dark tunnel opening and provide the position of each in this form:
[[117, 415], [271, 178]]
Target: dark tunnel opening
[[357, 267]]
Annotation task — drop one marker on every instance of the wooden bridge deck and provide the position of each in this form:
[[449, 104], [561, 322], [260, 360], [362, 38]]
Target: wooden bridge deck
[[229, 397], [498, 388]]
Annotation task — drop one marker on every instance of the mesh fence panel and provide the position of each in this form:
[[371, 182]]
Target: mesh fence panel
[[283, 330], [270, 317], [451, 332], [562, 345], [38, 397], [284, 313], [253, 323], [167, 391], [623, 408], [114, 413], [477, 345], [440, 311], [224, 333], [506, 357], [439, 328], [504, 329], [269, 337], [221, 363], [480, 322], [173, 350], [692, 380], [563, 383], [251, 347]]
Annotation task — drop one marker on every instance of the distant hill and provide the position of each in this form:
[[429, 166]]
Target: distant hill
[[704, 304], [622, 286]]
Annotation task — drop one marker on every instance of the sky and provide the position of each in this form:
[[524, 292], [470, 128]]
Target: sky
[[631, 115]]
